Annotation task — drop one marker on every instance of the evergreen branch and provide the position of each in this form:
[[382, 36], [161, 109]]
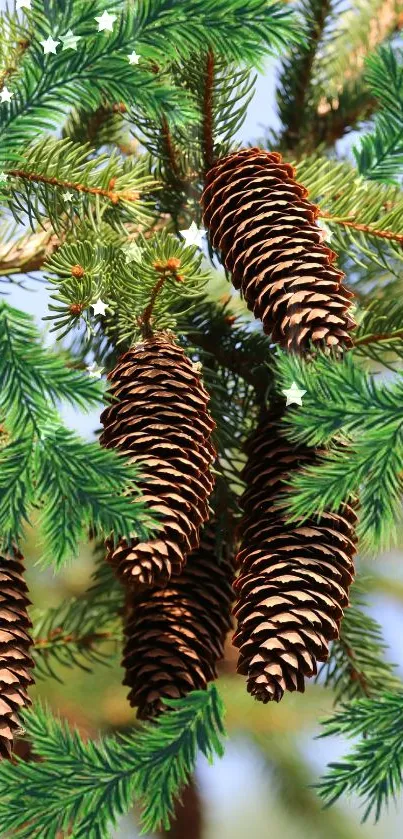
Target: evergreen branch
[[50, 169], [374, 767], [356, 665], [379, 155], [160, 286], [32, 376], [379, 333], [364, 228], [294, 90], [87, 786], [75, 633], [82, 485], [342, 403]]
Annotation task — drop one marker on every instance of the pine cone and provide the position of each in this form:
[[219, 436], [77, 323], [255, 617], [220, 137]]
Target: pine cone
[[175, 636], [258, 217], [160, 419], [14, 649], [294, 579]]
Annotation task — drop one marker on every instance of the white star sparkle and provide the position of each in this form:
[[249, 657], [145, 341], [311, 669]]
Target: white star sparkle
[[326, 233], [105, 22], [133, 253], [49, 45], [99, 307], [133, 58], [3, 177], [68, 196], [6, 94], [70, 40], [95, 371], [294, 394], [193, 235]]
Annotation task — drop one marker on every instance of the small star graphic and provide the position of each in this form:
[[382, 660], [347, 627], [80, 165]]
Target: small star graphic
[[68, 196], [220, 138], [133, 253], [23, 4], [105, 22], [49, 45], [193, 235], [99, 307], [6, 95], [133, 58], [3, 177], [294, 394], [361, 183], [326, 233], [95, 371], [70, 40]]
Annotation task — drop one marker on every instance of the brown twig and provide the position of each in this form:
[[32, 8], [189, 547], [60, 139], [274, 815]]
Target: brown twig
[[378, 337], [365, 228], [114, 196], [167, 269], [207, 142], [22, 46], [86, 641], [355, 675]]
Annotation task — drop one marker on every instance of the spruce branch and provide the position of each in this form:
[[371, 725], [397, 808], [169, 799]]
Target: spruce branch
[[345, 407], [357, 666], [87, 786], [373, 769], [379, 154]]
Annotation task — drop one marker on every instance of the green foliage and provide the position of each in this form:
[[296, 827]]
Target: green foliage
[[74, 482], [339, 190], [345, 407], [105, 187], [133, 289], [91, 784], [356, 666], [379, 154], [374, 767], [379, 335]]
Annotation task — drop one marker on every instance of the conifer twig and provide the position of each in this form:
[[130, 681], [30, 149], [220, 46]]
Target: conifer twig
[[114, 195], [207, 141], [364, 228]]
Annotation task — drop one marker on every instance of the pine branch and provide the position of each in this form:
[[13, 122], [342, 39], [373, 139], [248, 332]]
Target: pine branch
[[89, 785], [294, 90], [373, 769], [364, 217], [379, 155], [344, 405], [62, 180], [155, 289], [356, 666]]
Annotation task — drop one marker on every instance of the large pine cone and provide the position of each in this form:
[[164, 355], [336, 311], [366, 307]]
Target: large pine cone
[[258, 217], [175, 636], [160, 418], [294, 579], [15, 642]]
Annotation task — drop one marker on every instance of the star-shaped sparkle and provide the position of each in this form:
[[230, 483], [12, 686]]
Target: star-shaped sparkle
[[105, 22], [6, 95], [326, 233], [133, 58], [49, 45], [23, 4], [69, 40], [68, 196], [3, 177], [133, 253], [294, 394], [193, 235], [95, 371], [361, 183], [99, 307]]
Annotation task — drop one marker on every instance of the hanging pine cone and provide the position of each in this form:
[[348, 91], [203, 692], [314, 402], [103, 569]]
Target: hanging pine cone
[[14, 649], [294, 579], [175, 636], [258, 217], [160, 418]]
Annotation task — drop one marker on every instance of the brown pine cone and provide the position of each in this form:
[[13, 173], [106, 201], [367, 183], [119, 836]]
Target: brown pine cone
[[159, 417], [175, 636], [258, 217], [294, 579], [15, 642]]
